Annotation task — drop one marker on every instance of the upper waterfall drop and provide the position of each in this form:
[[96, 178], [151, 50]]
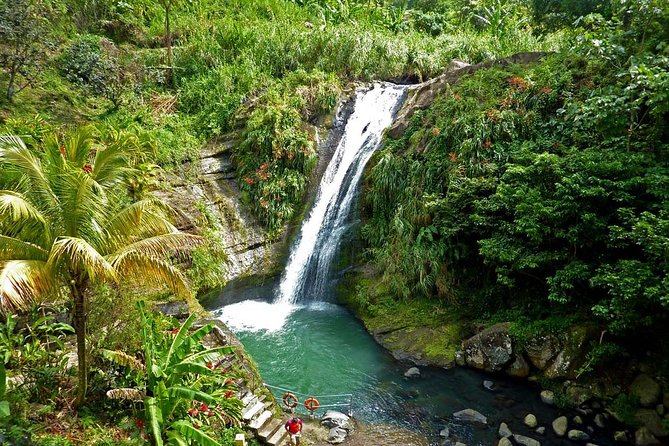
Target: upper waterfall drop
[[311, 255]]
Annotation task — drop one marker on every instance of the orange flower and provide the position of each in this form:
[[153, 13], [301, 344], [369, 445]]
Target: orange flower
[[546, 89], [518, 83], [453, 156], [436, 131]]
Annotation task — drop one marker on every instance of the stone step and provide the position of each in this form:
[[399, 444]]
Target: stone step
[[253, 410], [262, 418], [269, 428], [249, 399], [278, 436]]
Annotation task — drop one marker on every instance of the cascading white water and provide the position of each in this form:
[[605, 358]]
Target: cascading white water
[[309, 261]]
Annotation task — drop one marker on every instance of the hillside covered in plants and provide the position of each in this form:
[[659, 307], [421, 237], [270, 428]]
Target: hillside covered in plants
[[535, 194]]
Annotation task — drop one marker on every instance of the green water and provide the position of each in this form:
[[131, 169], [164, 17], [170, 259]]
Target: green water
[[321, 349]]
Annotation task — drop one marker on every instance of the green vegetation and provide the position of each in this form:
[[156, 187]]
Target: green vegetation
[[524, 193], [539, 190]]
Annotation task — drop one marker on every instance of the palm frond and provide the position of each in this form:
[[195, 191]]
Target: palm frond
[[17, 207], [23, 282], [17, 156], [122, 359], [125, 394], [138, 220], [14, 249], [152, 271], [81, 256], [78, 145], [159, 246]]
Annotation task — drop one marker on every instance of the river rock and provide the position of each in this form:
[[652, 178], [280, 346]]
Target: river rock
[[576, 394], [413, 372], [519, 368], [526, 441], [650, 419], [460, 358], [471, 415], [445, 432], [540, 430], [541, 349], [489, 350], [504, 430], [572, 356], [530, 421], [337, 435], [489, 385], [620, 437], [577, 419], [332, 418], [548, 397], [644, 437], [504, 442], [647, 389], [600, 421], [560, 426], [577, 435]]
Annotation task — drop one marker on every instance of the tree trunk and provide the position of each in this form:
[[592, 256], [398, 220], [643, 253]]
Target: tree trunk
[[10, 86], [168, 42], [80, 315]]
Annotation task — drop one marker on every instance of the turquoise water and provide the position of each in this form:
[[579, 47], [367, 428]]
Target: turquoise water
[[321, 349]]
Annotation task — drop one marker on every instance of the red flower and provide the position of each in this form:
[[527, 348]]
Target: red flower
[[210, 365], [139, 423], [87, 168], [487, 144], [62, 150], [228, 393], [174, 331], [196, 425], [227, 381], [192, 412], [203, 408], [210, 413]]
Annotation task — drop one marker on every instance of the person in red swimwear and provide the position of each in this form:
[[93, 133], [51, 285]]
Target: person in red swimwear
[[294, 428]]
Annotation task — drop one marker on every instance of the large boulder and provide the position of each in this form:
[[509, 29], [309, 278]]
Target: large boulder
[[644, 437], [332, 418], [337, 435], [647, 389], [650, 419], [519, 368], [491, 350], [542, 349], [572, 356]]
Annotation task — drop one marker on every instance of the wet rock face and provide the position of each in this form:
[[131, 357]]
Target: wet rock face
[[491, 350], [542, 349], [647, 389]]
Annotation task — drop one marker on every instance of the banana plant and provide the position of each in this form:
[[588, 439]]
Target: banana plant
[[178, 371], [4, 404]]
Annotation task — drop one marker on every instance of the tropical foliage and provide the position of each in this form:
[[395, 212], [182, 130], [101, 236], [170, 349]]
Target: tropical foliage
[[541, 188], [186, 395], [65, 226]]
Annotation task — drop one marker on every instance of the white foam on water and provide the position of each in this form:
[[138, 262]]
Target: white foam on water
[[254, 316]]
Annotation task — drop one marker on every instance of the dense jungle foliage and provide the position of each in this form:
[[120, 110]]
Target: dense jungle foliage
[[525, 191]]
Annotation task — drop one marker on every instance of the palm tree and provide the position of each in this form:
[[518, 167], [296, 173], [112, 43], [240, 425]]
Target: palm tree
[[66, 223]]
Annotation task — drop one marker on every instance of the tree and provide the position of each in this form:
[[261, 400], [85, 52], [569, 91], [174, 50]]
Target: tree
[[167, 6], [65, 224], [22, 41]]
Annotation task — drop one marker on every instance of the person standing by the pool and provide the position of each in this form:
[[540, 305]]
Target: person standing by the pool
[[294, 428]]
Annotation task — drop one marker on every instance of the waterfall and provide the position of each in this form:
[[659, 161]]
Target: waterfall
[[311, 255]]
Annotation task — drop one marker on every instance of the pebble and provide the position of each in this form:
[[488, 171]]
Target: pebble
[[560, 426], [489, 385], [599, 421], [548, 397], [578, 420], [413, 372], [577, 435], [504, 430], [504, 442], [445, 432], [540, 430], [530, 421]]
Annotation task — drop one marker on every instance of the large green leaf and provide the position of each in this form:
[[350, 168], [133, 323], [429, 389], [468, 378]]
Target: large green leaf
[[175, 438], [154, 420], [181, 336], [193, 435], [4, 409], [190, 394]]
